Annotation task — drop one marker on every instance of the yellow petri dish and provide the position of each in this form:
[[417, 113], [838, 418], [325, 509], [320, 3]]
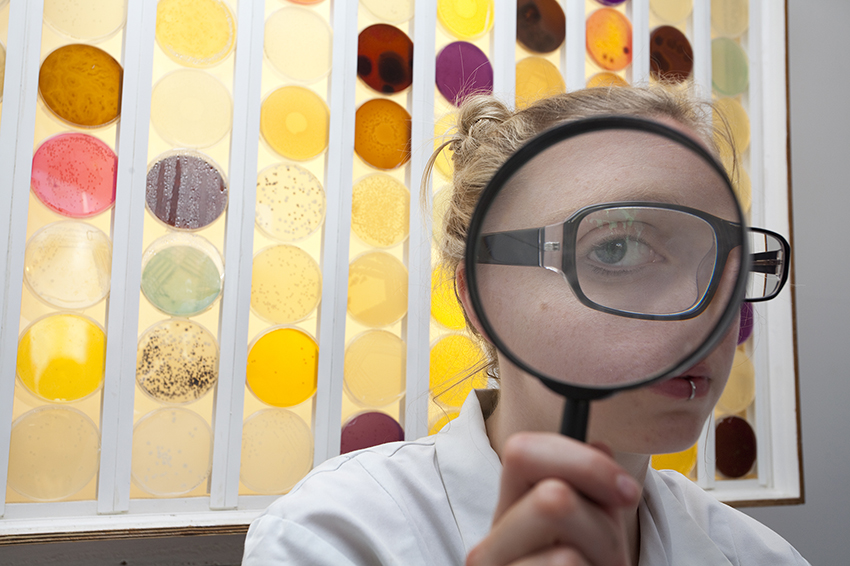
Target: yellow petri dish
[[441, 423], [277, 451], [286, 284], [294, 122], [390, 11], [283, 367], [191, 108], [445, 307], [380, 210], [195, 33], [456, 363], [53, 453], [2, 68], [682, 462], [375, 368], [606, 79], [61, 357], [377, 289], [466, 19], [537, 78], [740, 390], [90, 20], [297, 44], [444, 128], [730, 18], [737, 120], [671, 11], [382, 133], [290, 202], [171, 451], [440, 206], [741, 182]]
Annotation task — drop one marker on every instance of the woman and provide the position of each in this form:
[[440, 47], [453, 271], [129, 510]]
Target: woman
[[500, 486]]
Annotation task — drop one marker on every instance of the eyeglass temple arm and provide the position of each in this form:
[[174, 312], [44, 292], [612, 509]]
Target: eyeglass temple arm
[[517, 247]]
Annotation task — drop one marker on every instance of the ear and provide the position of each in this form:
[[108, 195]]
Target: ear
[[466, 301]]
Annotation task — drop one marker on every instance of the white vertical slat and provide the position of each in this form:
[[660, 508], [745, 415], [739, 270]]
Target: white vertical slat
[[574, 45], [503, 46], [336, 233], [17, 132], [228, 405], [122, 315], [705, 455], [417, 325], [701, 44], [638, 13]]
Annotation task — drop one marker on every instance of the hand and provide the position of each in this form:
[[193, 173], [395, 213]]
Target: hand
[[560, 502]]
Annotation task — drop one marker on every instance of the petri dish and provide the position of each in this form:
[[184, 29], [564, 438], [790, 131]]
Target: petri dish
[[382, 133], [89, 20], [374, 368], [177, 361], [442, 202], [740, 390], [385, 58], [730, 69], [283, 367], [74, 175], [380, 210], [671, 11], [730, 18], [294, 123], [182, 274], [191, 108], [735, 447], [286, 284], [444, 128], [368, 429], [277, 451], [610, 2], [377, 289], [609, 39], [445, 307], [171, 452], [61, 357], [306, 2], [466, 19], [671, 57], [540, 25], [736, 118], [462, 69], [195, 33], [683, 462], [81, 85], [456, 363], [68, 264], [54, 452], [2, 68], [185, 190], [297, 44], [745, 329], [390, 11], [606, 79], [537, 78], [290, 202], [441, 423]]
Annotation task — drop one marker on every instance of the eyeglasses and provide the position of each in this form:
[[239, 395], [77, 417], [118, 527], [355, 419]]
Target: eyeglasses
[[645, 260]]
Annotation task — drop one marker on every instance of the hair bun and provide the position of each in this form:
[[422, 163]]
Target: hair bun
[[478, 119]]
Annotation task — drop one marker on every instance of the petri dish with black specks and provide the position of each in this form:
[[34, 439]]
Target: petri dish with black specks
[[540, 25], [385, 58], [671, 57], [185, 190]]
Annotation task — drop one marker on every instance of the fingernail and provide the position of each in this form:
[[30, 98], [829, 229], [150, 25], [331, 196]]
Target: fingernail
[[628, 487]]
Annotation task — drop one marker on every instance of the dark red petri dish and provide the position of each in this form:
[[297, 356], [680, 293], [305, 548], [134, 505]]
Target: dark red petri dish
[[462, 70], [369, 429], [385, 58], [671, 57], [540, 25], [735, 447], [185, 190]]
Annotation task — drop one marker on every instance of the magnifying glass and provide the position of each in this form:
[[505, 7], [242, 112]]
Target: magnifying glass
[[610, 253]]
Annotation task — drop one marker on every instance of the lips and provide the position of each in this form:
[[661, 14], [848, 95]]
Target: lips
[[680, 387]]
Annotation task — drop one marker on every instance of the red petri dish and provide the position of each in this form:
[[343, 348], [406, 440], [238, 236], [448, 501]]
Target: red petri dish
[[369, 429], [540, 25], [463, 69], [671, 57], [609, 39], [185, 190], [385, 58], [382, 133], [735, 447]]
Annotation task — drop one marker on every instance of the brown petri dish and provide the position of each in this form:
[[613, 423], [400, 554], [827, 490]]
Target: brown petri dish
[[540, 25], [382, 133], [385, 58], [185, 190], [671, 57], [735, 447]]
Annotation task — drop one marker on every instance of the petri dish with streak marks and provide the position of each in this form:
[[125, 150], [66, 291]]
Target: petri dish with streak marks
[[195, 33], [177, 361], [297, 44], [608, 36], [81, 85], [191, 108], [377, 289], [74, 175], [53, 453], [540, 25], [171, 452], [390, 11], [185, 190], [368, 429], [277, 451], [385, 58], [462, 69], [89, 20], [61, 357], [182, 274], [68, 264], [290, 202], [294, 123], [445, 306], [283, 367], [286, 284], [380, 210], [537, 78], [466, 19], [374, 368], [456, 363], [382, 133]]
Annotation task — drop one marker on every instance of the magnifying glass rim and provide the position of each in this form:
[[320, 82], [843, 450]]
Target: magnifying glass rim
[[532, 149]]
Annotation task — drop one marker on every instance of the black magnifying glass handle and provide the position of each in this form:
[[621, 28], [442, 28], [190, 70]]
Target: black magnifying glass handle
[[574, 420]]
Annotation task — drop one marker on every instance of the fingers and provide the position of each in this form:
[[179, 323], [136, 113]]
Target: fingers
[[558, 556]]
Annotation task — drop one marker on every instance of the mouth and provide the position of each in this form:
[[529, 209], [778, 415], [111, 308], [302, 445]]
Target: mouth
[[693, 384]]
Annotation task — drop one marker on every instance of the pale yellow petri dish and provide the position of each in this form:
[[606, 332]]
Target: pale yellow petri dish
[[537, 78], [195, 33], [730, 18], [53, 453], [294, 122], [671, 11], [444, 128], [456, 369], [737, 120], [282, 368], [297, 43], [290, 202], [740, 390], [171, 451], [191, 108], [390, 11], [741, 182], [277, 451], [377, 289], [286, 284], [374, 368], [606, 79], [2, 68], [89, 20], [682, 462], [445, 307], [440, 206], [440, 424], [466, 19], [380, 210]]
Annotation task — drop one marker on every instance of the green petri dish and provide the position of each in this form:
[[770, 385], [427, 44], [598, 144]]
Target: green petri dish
[[730, 68]]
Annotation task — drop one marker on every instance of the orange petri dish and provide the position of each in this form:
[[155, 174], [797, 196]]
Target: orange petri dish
[[606, 79], [682, 462], [609, 39], [377, 289], [537, 78], [382, 134], [455, 369], [294, 122], [81, 84], [283, 366], [195, 33]]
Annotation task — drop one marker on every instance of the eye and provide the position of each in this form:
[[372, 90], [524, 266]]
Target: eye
[[621, 251]]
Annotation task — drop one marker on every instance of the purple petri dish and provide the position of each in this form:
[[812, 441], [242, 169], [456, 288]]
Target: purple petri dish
[[365, 430], [462, 70], [746, 328], [610, 2]]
